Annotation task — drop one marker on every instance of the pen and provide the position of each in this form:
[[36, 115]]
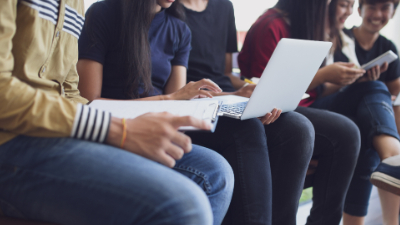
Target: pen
[[248, 81]]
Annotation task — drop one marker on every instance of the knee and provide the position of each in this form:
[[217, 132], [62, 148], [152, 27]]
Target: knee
[[220, 175], [298, 129], [189, 205], [374, 86], [345, 136], [212, 172]]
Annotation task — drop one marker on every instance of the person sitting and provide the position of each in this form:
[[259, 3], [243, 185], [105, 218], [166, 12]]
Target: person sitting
[[104, 67], [211, 57], [337, 138], [66, 163], [360, 45]]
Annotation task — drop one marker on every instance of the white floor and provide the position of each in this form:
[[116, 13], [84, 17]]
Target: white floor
[[374, 216]]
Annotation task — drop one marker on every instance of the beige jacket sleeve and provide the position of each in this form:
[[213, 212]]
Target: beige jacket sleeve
[[33, 112], [71, 87]]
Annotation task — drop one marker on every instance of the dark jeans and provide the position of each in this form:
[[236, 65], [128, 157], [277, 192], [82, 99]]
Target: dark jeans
[[337, 144], [369, 105], [69, 181], [282, 149]]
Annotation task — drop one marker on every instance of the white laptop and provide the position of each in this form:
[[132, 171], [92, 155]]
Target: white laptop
[[284, 81]]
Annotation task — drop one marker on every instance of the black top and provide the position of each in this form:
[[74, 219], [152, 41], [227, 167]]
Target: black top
[[380, 46], [169, 40], [213, 35]]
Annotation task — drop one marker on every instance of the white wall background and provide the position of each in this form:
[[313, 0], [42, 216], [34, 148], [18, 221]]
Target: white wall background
[[247, 11]]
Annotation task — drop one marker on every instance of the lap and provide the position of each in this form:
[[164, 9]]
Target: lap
[[65, 180], [332, 129]]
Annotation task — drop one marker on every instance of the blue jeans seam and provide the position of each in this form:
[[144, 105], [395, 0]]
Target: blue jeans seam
[[203, 176]]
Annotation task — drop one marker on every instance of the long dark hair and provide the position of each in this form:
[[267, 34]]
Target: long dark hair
[[307, 18], [135, 18], [334, 31]]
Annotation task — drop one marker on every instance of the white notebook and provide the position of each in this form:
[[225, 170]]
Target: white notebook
[[204, 110]]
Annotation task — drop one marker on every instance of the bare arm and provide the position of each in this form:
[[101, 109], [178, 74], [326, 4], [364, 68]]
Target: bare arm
[[91, 74], [236, 81], [91, 81], [176, 80]]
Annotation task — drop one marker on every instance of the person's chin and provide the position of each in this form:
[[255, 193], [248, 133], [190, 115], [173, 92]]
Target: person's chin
[[166, 5], [374, 28]]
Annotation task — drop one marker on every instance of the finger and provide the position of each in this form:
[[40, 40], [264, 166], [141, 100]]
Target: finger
[[394, 97], [265, 118], [211, 88], [177, 122], [274, 113], [165, 159], [209, 84], [346, 64], [355, 71], [182, 141], [205, 93], [174, 151], [377, 72], [384, 67], [277, 115], [370, 74]]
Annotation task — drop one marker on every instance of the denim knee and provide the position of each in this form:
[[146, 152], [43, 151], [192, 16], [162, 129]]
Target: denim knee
[[192, 207], [213, 174]]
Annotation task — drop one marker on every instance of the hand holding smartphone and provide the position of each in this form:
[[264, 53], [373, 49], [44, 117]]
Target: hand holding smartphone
[[388, 57]]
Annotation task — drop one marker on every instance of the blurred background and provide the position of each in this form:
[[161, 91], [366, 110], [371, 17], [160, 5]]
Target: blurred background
[[247, 11]]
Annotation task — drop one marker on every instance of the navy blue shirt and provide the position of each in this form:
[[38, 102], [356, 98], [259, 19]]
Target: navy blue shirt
[[380, 46], [169, 40]]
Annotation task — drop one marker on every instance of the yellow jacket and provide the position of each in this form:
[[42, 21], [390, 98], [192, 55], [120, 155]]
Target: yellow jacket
[[38, 77]]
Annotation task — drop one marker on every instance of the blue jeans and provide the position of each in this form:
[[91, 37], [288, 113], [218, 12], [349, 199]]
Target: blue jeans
[[369, 105], [68, 181]]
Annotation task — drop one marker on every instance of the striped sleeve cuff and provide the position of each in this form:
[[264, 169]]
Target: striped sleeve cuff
[[90, 124]]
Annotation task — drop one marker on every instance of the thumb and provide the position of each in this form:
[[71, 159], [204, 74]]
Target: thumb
[[346, 64]]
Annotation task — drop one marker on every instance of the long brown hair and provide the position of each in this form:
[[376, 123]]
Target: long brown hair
[[134, 18], [307, 18]]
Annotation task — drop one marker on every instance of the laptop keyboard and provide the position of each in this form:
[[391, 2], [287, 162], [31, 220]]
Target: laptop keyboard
[[233, 109]]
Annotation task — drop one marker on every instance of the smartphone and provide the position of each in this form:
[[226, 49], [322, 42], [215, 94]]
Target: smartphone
[[388, 57]]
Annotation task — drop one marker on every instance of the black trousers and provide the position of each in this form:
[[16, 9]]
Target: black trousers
[[337, 146], [269, 164]]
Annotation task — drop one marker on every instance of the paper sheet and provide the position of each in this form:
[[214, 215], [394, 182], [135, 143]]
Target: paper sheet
[[130, 109]]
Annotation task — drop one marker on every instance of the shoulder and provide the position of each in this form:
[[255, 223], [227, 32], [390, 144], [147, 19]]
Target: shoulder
[[99, 7], [178, 25], [221, 5], [102, 10], [386, 44], [271, 22]]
